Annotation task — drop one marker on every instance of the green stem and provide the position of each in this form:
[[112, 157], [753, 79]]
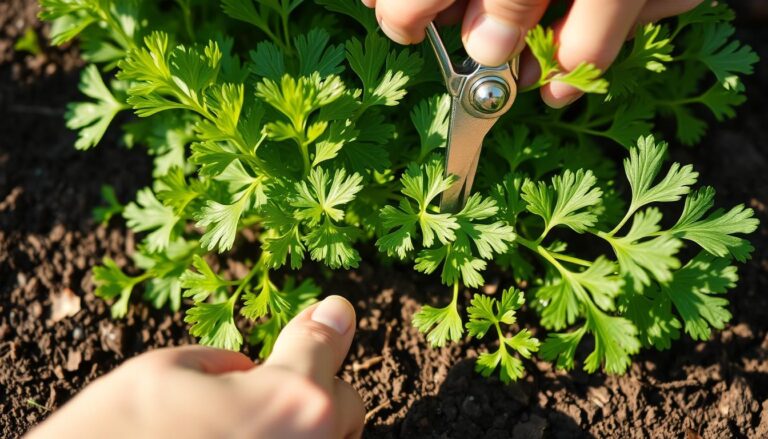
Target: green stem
[[679, 102], [123, 38], [500, 333], [537, 248], [305, 157], [141, 278], [245, 281], [571, 259], [187, 15], [527, 243], [286, 33], [627, 216]]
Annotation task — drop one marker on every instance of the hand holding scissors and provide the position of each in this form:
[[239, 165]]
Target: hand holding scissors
[[493, 31]]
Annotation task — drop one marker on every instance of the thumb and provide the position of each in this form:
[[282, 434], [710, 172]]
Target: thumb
[[494, 31], [316, 341]]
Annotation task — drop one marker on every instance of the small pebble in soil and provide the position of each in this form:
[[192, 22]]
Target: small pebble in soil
[[77, 333]]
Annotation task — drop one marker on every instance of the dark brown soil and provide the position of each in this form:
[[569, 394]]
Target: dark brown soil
[[48, 241]]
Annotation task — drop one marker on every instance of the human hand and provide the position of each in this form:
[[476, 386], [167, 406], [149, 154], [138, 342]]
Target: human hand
[[493, 31], [197, 391]]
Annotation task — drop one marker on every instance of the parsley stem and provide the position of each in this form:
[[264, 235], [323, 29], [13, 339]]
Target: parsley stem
[[679, 102], [531, 245], [286, 33], [455, 294], [122, 37], [627, 216], [500, 333], [246, 280], [305, 157], [571, 259]]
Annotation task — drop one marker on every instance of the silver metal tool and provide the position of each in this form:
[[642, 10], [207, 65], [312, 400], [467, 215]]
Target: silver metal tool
[[480, 95]]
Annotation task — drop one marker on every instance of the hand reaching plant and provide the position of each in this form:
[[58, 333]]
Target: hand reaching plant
[[493, 31], [204, 392]]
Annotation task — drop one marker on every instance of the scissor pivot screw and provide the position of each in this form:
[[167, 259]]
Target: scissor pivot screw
[[489, 95]]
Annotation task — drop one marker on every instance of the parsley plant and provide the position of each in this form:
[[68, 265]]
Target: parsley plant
[[283, 121]]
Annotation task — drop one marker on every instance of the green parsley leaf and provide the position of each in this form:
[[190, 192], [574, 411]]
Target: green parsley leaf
[[563, 202], [92, 119], [332, 244], [221, 221], [203, 282], [725, 59], [384, 78], [641, 255], [561, 347], [715, 232], [111, 282], [430, 117], [268, 61], [585, 77], [103, 214], [422, 185], [356, 10], [483, 316], [642, 167], [440, 324], [147, 214], [318, 200], [163, 270], [268, 300], [695, 291], [214, 323], [615, 340], [315, 55]]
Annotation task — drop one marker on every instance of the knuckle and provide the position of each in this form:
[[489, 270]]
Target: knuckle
[[524, 12], [310, 406], [407, 15]]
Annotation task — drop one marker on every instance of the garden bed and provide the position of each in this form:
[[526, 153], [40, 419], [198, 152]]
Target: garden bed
[[48, 242]]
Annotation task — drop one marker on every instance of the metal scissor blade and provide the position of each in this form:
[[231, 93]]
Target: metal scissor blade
[[465, 140], [480, 95]]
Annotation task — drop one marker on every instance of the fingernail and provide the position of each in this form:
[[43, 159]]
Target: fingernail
[[394, 34], [369, 3], [562, 94], [492, 42], [334, 312]]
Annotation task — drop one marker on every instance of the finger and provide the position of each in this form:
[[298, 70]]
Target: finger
[[405, 21], [593, 31], [369, 3], [349, 409], [204, 359], [494, 30], [316, 341], [655, 10], [530, 70]]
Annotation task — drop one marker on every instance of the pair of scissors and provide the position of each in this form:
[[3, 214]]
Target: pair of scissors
[[479, 96]]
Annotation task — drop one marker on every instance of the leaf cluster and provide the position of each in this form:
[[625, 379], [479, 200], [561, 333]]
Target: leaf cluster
[[277, 127]]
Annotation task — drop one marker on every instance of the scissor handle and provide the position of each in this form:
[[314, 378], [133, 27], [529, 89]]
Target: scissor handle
[[480, 95], [443, 59], [483, 90]]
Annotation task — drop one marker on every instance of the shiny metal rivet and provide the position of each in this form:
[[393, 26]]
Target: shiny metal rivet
[[489, 95]]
